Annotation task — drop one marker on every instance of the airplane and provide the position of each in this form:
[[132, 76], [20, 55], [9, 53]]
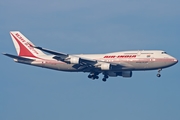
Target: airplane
[[110, 64]]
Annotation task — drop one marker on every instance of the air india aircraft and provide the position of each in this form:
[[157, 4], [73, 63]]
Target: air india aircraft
[[110, 64]]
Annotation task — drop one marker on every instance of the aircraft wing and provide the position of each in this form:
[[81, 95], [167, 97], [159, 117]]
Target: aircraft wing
[[64, 57], [18, 57], [83, 63], [59, 55]]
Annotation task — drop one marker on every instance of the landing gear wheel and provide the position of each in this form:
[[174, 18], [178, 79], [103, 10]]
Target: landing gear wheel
[[96, 77], [104, 79], [158, 75], [90, 76], [93, 76]]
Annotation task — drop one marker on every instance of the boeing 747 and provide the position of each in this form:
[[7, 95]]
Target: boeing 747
[[109, 64]]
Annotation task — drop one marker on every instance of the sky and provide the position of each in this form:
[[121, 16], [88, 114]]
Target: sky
[[89, 26]]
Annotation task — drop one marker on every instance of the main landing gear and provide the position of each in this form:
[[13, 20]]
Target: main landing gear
[[105, 78], [94, 76], [159, 75]]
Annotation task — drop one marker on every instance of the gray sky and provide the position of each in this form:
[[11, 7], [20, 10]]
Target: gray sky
[[83, 26]]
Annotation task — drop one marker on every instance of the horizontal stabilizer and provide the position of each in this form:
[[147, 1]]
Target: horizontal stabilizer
[[18, 57]]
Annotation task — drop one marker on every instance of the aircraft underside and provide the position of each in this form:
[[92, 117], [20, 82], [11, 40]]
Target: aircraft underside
[[93, 73]]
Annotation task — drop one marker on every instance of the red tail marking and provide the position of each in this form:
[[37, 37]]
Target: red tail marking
[[23, 50]]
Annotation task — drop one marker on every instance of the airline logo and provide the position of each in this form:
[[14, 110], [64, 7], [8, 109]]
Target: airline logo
[[27, 44], [120, 56]]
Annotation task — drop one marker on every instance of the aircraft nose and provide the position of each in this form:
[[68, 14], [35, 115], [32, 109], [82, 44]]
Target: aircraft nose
[[176, 60]]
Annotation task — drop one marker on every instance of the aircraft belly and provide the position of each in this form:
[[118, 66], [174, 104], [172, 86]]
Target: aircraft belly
[[55, 66], [130, 65], [66, 67]]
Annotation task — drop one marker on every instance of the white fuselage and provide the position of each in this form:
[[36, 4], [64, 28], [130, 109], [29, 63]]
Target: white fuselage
[[131, 60]]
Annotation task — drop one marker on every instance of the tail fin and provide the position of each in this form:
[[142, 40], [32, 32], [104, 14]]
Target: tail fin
[[23, 46]]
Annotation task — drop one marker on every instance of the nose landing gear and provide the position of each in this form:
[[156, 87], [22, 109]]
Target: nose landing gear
[[159, 75]]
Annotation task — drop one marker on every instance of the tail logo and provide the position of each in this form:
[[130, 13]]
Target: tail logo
[[27, 44]]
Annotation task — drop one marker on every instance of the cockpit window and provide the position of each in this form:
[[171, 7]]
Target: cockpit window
[[164, 53]]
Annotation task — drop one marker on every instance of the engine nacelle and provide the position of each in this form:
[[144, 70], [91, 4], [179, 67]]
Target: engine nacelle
[[105, 66], [127, 74], [74, 60], [112, 74]]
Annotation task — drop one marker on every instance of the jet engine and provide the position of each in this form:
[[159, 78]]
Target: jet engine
[[127, 74], [105, 66], [74, 60], [112, 74]]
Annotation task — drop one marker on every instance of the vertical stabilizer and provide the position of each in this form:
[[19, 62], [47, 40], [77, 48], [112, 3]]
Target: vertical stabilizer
[[23, 46]]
